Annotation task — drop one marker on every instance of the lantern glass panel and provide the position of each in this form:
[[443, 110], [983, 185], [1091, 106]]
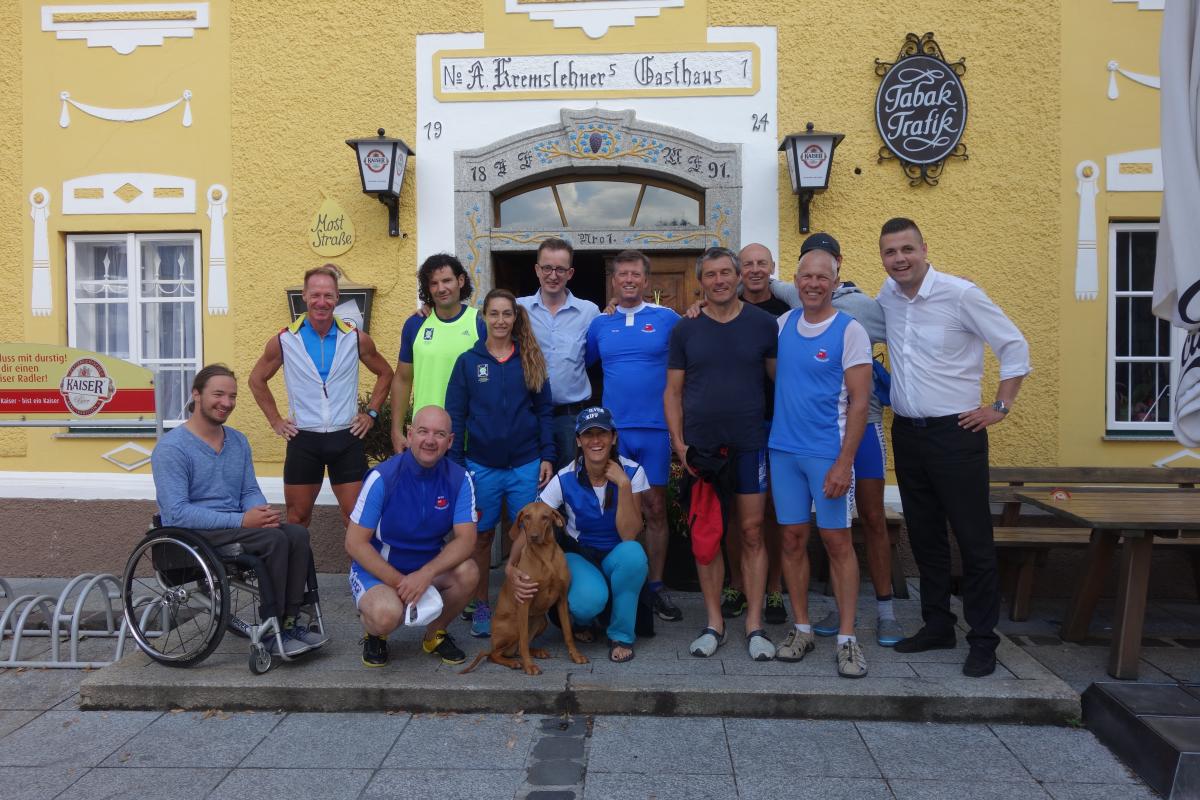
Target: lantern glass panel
[[375, 164]]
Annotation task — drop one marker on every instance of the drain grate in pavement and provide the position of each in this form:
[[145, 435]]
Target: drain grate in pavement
[[558, 761]]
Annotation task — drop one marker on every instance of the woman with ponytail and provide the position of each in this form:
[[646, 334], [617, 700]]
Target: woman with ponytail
[[501, 414]]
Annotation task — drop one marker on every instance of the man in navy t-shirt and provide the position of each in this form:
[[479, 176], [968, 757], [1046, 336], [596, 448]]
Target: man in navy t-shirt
[[715, 398], [632, 344], [397, 534]]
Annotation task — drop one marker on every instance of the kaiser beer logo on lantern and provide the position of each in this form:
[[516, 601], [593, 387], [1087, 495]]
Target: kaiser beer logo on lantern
[[86, 387], [813, 156], [375, 160]]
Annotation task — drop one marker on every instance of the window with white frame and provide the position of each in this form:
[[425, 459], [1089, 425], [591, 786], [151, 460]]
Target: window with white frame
[[136, 296], [1141, 368]]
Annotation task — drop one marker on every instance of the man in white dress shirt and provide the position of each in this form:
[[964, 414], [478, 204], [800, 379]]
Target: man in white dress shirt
[[937, 325]]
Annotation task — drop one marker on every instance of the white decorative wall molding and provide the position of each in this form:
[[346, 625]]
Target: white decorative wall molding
[[1178, 455], [218, 280], [127, 26], [595, 17], [1153, 81], [1134, 171], [1146, 5], [125, 114], [1087, 269], [129, 193], [41, 301], [129, 456]]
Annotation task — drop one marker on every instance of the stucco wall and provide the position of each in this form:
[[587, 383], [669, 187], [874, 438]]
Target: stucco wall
[[14, 208]]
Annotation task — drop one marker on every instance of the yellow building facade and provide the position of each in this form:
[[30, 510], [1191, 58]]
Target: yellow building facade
[[193, 143]]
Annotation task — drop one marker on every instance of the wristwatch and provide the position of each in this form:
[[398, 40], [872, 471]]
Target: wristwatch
[[1001, 407], [372, 413]]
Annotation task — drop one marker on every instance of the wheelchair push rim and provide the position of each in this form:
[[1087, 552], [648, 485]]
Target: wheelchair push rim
[[175, 597]]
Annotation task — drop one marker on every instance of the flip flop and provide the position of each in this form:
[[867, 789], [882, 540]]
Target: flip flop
[[613, 645]]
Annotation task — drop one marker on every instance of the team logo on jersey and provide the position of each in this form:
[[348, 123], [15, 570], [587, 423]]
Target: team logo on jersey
[[822, 355], [428, 334], [441, 504], [481, 373], [648, 328]]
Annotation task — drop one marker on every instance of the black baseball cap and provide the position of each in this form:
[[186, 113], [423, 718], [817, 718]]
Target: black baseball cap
[[822, 241], [594, 417]]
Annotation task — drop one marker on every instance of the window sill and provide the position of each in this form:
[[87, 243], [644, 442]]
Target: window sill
[[1138, 436], [131, 433]]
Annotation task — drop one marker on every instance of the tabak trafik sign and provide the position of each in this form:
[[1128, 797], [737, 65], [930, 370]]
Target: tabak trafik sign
[[921, 109]]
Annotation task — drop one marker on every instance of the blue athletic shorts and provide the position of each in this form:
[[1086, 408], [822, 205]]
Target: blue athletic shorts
[[517, 486], [361, 580], [871, 457], [650, 447], [798, 483], [750, 471]]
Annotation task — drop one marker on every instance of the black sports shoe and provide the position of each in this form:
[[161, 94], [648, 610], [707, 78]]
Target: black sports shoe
[[925, 639], [665, 607], [774, 611], [375, 652], [443, 646], [733, 603]]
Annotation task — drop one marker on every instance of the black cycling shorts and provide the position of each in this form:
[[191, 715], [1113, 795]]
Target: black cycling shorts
[[309, 453]]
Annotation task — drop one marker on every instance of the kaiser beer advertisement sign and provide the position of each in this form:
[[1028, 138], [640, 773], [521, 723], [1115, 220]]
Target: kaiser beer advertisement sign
[[44, 383]]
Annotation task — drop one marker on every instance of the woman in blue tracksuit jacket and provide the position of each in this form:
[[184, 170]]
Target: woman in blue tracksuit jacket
[[501, 414]]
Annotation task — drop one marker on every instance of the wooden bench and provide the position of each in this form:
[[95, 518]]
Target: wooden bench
[[1030, 537]]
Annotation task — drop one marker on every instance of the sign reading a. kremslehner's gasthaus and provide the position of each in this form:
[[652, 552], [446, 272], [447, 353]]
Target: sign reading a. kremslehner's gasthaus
[[921, 108]]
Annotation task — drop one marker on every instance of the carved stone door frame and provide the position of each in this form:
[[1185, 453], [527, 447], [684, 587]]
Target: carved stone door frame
[[595, 142]]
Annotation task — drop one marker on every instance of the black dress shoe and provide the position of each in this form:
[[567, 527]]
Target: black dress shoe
[[979, 663], [924, 640]]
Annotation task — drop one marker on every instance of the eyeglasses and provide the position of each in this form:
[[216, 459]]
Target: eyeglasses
[[547, 269]]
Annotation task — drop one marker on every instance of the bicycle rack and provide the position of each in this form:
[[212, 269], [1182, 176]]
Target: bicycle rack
[[14, 622]]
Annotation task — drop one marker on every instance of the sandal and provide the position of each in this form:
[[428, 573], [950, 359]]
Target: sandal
[[613, 644]]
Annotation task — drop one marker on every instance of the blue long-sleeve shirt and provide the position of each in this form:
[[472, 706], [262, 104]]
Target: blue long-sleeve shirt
[[199, 488], [497, 421]]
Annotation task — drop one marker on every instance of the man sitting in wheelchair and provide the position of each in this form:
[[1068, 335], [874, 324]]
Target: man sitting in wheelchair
[[204, 480]]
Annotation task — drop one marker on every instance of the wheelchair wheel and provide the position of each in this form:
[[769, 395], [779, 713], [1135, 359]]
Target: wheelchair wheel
[[260, 659], [175, 596]]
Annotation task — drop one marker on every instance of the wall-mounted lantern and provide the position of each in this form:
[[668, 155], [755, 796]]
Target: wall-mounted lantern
[[809, 157], [381, 161]]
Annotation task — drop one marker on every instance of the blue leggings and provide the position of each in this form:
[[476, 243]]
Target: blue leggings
[[624, 569]]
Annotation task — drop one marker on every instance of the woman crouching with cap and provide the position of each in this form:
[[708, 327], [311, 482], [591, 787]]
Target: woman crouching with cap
[[599, 493]]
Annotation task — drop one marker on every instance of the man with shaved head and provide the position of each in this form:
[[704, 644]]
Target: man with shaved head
[[397, 538]]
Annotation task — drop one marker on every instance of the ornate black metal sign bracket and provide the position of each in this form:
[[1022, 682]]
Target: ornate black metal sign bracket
[[921, 109]]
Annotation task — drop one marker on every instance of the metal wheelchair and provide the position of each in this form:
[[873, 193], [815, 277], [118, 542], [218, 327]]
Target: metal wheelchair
[[180, 595]]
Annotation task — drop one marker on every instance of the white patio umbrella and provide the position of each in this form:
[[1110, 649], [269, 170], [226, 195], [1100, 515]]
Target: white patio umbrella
[[1177, 271]]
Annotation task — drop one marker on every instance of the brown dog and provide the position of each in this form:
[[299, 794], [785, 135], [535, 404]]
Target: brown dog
[[515, 624]]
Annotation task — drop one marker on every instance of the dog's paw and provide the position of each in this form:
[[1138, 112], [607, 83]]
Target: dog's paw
[[539, 652], [533, 669], [579, 658]]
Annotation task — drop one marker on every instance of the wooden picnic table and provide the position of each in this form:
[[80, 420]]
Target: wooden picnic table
[[1137, 518]]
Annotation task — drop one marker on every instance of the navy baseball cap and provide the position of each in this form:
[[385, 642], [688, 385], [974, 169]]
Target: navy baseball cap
[[822, 241], [594, 417]]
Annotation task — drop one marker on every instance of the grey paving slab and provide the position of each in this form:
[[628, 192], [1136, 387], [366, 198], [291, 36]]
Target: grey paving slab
[[195, 739], [957, 790], [821, 662], [635, 786], [942, 669], [495, 741], [1099, 791], [138, 784], [926, 751], [782, 783], [37, 688], [11, 720], [328, 740], [442, 784], [71, 703], [37, 783], [1062, 754], [1179, 663], [294, 784], [71, 738], [1080, 666], [652, 745], [807, 747]]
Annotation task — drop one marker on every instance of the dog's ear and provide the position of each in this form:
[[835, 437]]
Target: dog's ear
[[558, 520], [518, 526]]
